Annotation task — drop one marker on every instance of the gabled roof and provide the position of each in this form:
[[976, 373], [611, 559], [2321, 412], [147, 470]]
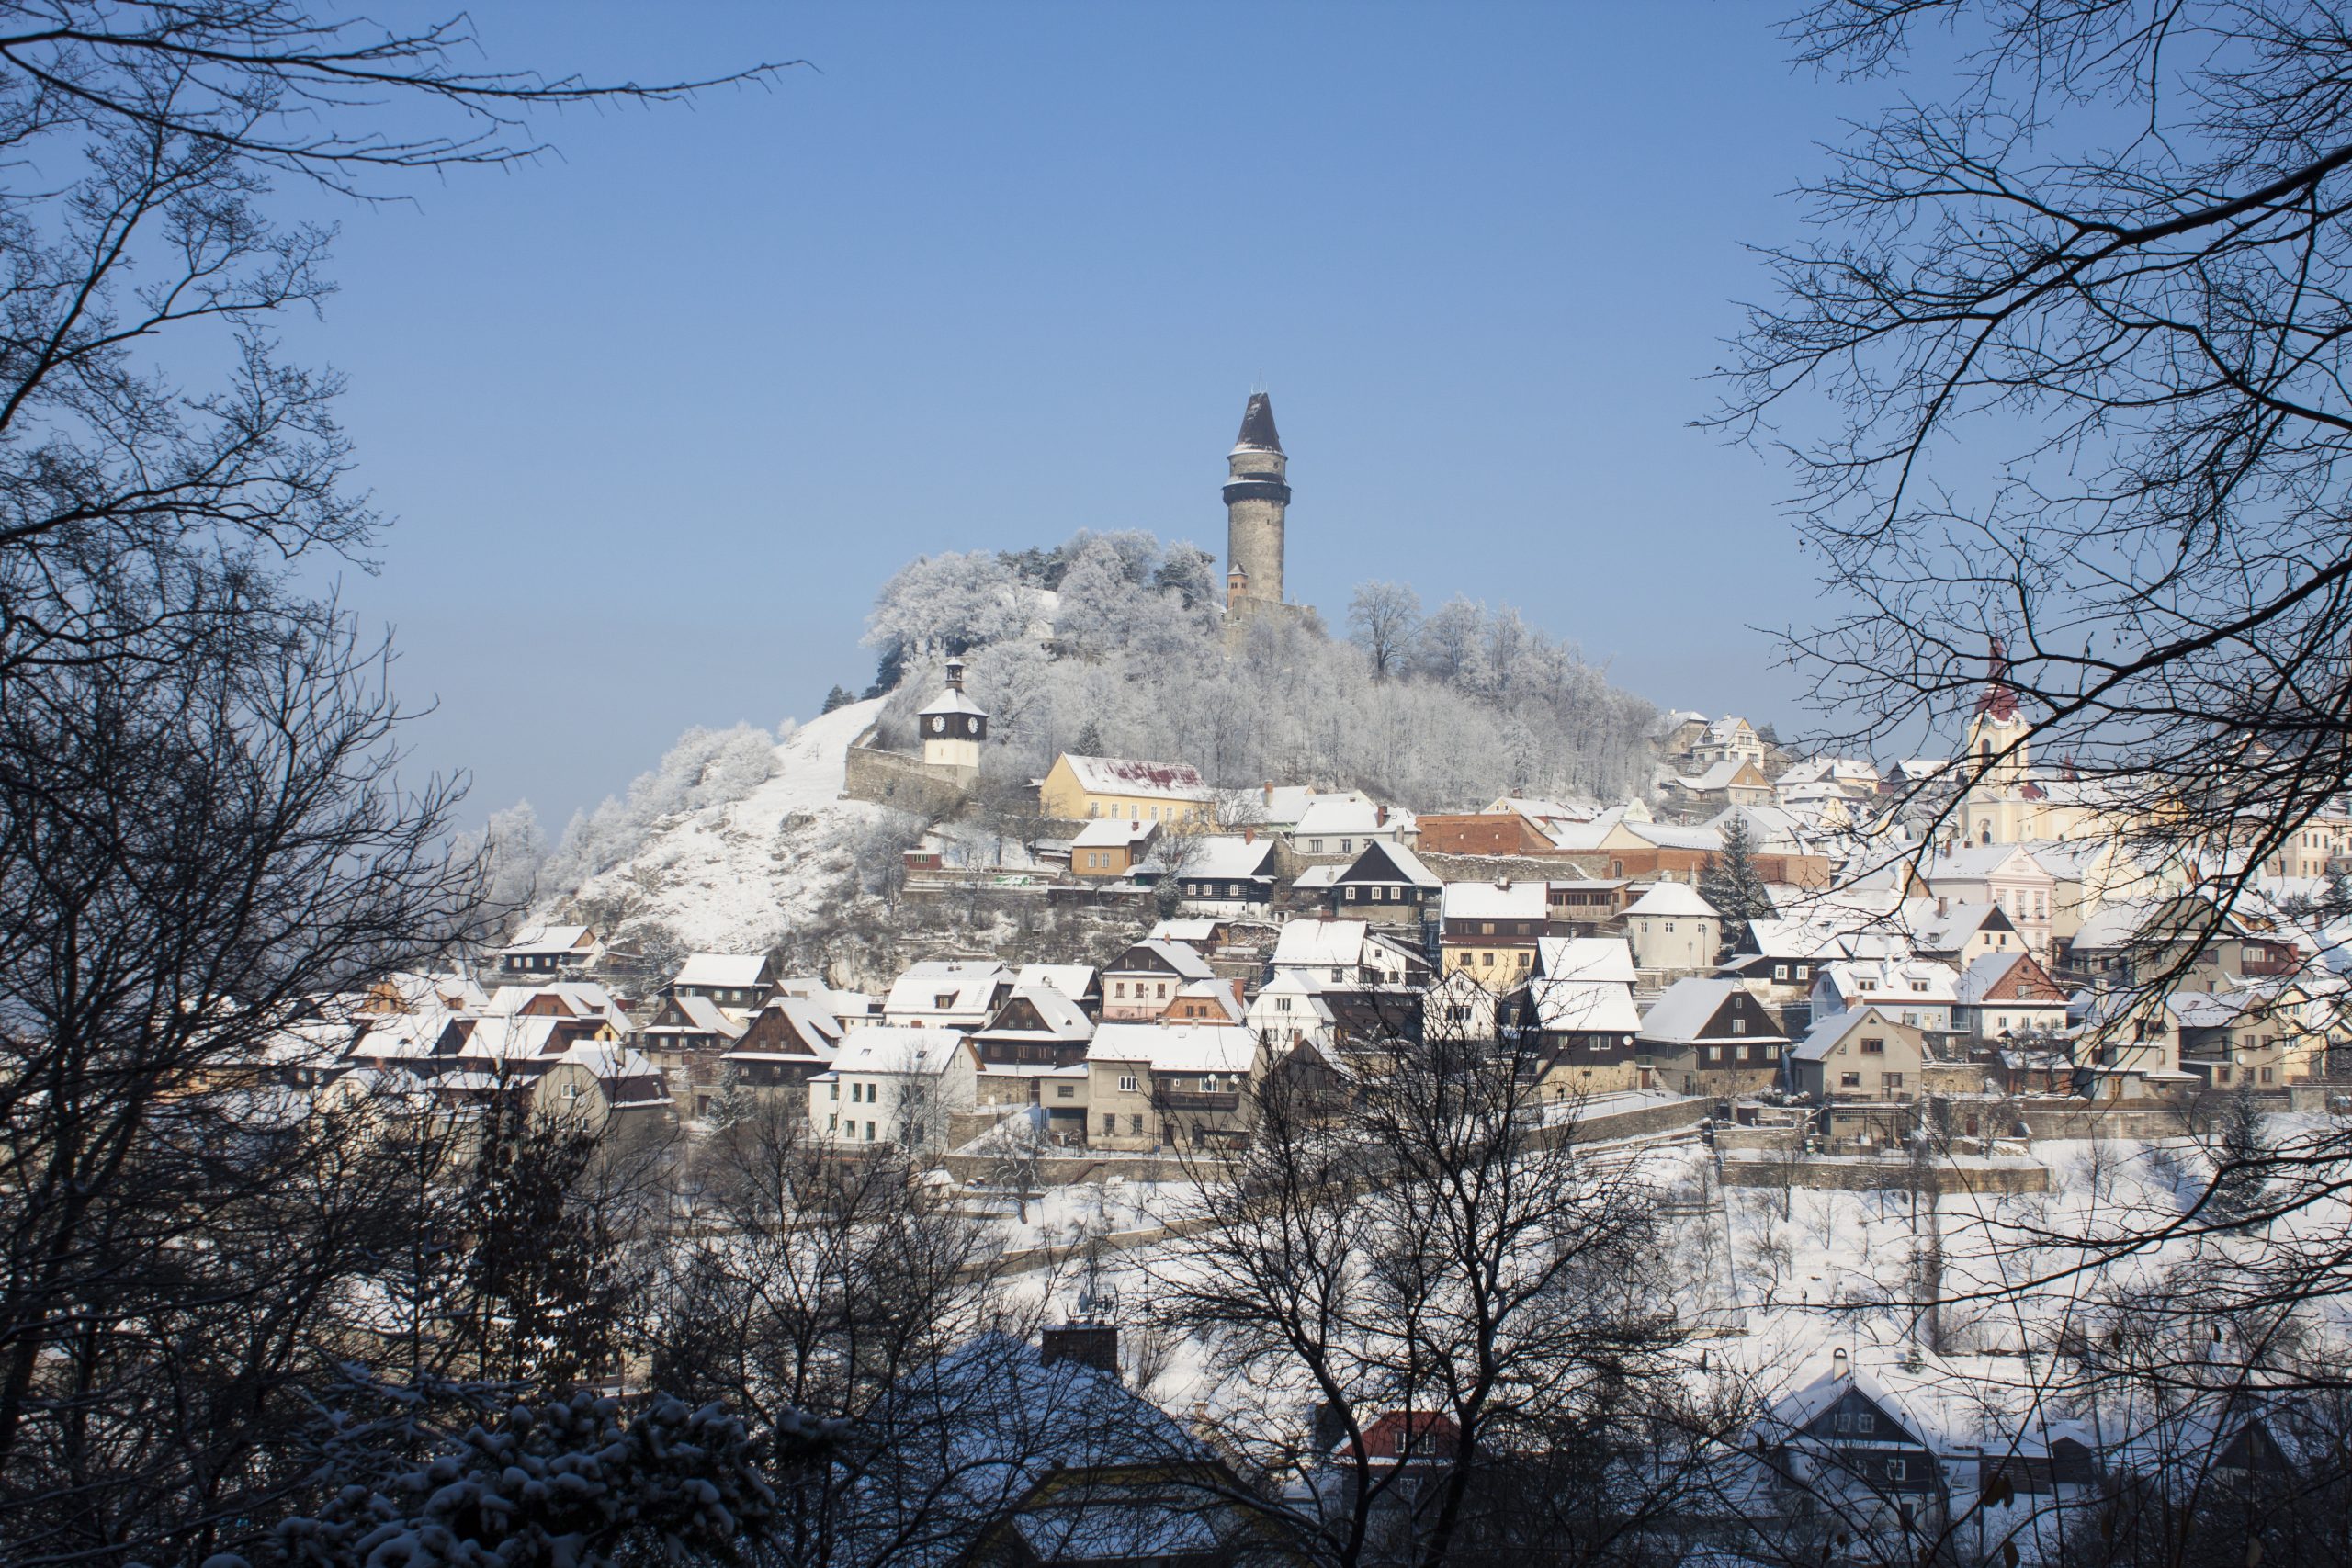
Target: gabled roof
[[1495, 901], [1177, 1047], [1339, 814], [733, 971], [1227, 857], [1113, 832], [1585, 958], [952, 701], [1321, 945], [1951, 930], [1063, 1019], [914, 1053], [1824, 1036], [968, 983], [1890, 981], [702, 1015], [1178, 959], [1129, 775], [1590, 1007], [1994, 970], [552, 938], [1069, 979], [1672, 898], [1682, 1013], [1969, 863], [1390, 863]]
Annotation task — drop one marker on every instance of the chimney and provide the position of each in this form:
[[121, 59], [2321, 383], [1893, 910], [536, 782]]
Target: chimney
[[1943, 904], [1380, 816], [1839, 1365], [1093, 1345], [1270, 792], [1503, 884], [1249, 835]]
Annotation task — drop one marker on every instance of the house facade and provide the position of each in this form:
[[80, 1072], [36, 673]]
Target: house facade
[[1076, 789]]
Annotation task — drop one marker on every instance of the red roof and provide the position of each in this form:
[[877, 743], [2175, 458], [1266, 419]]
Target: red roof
[[1411, 1434], [1999, 699]]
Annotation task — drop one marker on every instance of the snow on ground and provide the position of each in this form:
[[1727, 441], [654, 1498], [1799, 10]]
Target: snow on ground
[[735, 878]]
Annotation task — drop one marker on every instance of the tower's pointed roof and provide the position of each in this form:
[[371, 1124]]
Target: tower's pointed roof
[[1258, 426], [1999, 701]]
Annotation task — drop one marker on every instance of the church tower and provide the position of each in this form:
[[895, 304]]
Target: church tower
[[954, 726], [1255, 500]]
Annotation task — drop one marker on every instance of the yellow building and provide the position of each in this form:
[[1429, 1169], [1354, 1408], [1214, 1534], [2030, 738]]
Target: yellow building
[[1076, 789]]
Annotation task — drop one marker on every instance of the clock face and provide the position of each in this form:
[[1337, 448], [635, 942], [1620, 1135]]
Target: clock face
[[938, 725], [971, 726]]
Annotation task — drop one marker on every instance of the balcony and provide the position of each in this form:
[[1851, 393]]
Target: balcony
[[1193, 1100]]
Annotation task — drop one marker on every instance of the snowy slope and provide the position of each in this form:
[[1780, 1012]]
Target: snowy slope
[[736, 879]]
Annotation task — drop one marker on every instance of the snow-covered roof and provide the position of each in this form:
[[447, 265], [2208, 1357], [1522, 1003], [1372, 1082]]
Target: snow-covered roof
[[1176, 1047], [1672, 898], [966, 985], [1972, 863], [1590, 1006], [1113, 832], [1685, 1008], [1227, 857], [732, 971], [1408, 866], [952, 701], [1824, 1036], [1063, 1018], [1332, 814], [1183, 928], [1132, 776], [1219, 991], [550, 939], [702, 1015], [1977, 980], [1320, 877], [884, 1049], [1949, 929], [1891, 981], [1495, 901], [1830, 770], [1803, 939], [1667, 835], [1603, 958], [1321, 945], [1069, 979], [1180, 959], [1716, 777]]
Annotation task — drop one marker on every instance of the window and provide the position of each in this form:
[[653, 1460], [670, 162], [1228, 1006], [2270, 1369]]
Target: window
[[1208, 1084], [1739, 1026], [1849, 1080], [1865, 1422], [1669, 928], [1315, 846], [1346, 845], [2222, 1075], [1488, 959], [1486, 928], [1352, 895], [1645, 928], [1282, 1004], [1134, 1125], [1896, 1469], [833, 1091], [1399, 1441], [2266, 1074], [1233, 890], [1126, 1083], [1891, 1081], [1740, 1054], [1110, 1123], [1163, 991], [1094, 809], [1874, 1047], [1119, 989], [1065, 1091], [1780, 971], [869, 1131]]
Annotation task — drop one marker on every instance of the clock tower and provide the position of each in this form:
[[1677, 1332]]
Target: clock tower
[[954, 726]]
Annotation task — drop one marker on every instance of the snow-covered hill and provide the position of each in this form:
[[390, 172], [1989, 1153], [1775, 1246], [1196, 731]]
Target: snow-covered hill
[[738, 877]]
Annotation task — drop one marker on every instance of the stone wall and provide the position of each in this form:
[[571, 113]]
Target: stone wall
[[908, 783], [1853, 1173]]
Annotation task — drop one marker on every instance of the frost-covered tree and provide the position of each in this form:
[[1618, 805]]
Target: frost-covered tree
[[704, 768], [948, 604], [839, 697], [1384, 618], [511, 850], [1732, 884], [1191, 572]]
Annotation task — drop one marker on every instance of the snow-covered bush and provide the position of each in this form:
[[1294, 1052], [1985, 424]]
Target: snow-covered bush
[[568, 1485], [707, 767]]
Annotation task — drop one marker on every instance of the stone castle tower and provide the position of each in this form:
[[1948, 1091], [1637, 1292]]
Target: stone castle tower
[[1255, 500]]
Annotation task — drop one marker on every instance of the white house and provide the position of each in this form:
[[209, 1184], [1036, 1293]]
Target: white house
[[1165, 1085], [894, 1086], [1674, 930], [1343, 952], [1337, 828], [1289, 1012], [2005, 876]]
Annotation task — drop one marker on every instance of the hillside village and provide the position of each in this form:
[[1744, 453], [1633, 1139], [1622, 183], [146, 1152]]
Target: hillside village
[[1772, 983]]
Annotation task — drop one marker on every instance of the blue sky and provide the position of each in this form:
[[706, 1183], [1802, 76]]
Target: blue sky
[[657, 417]]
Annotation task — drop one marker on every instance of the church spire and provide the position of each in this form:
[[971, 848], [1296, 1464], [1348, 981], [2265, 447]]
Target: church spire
[[1999, 701]]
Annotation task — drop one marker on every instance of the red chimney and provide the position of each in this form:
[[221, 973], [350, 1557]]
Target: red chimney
[[1380, 816], [1270, 792], [1249, 835]]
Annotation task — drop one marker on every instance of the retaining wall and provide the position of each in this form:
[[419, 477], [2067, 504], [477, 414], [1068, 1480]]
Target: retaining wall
[[1848, 1173]]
